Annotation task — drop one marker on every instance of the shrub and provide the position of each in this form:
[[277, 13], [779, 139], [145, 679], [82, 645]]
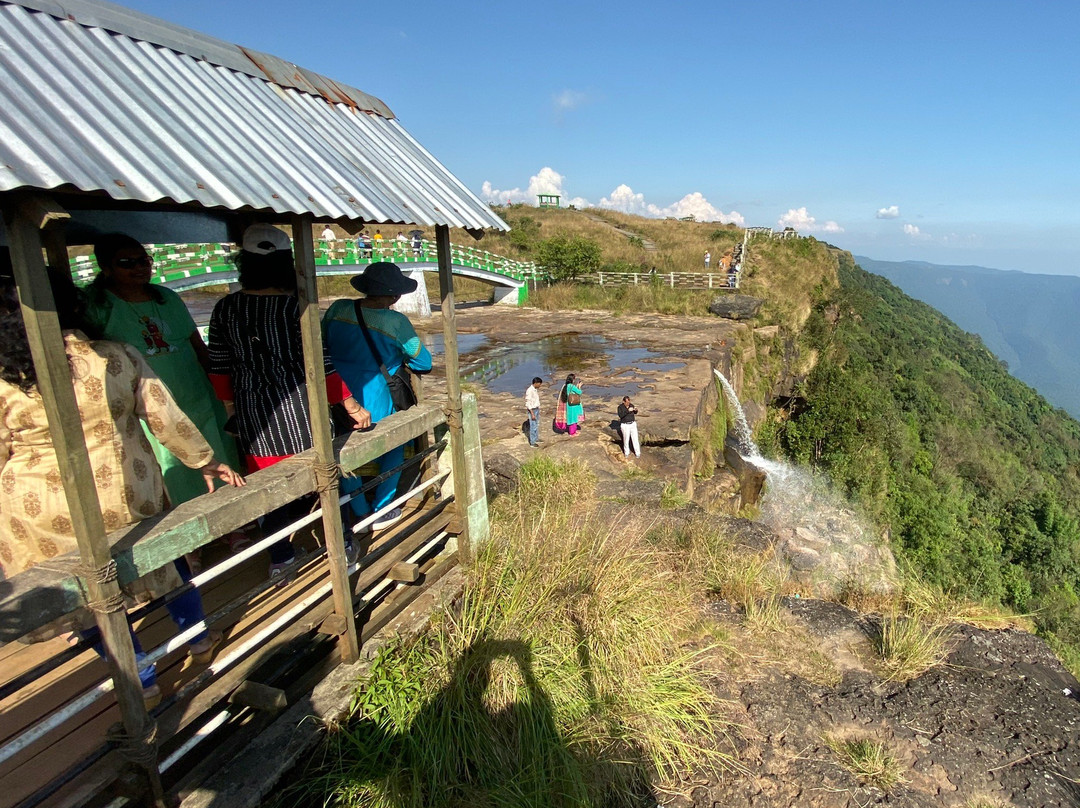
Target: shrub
[[567, 257]]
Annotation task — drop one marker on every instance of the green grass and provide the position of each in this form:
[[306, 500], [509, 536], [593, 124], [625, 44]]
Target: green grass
[[621, 299], [635, 473], [869, 760], [908, 646], [561, 679], [673, 497]]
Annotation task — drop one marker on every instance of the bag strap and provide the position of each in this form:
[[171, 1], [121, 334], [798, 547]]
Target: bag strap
[[370, 341]]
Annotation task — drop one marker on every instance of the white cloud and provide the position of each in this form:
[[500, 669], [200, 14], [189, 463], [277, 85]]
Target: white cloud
[[891, 212], [568, 100], [549, 181], [802, 221], [623, 198], [694, 204], [546, 181], [912, 230]]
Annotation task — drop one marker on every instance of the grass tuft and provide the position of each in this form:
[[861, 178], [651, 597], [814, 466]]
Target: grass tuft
[[908, 646], [869, 760], [673, 497], [986, 802]]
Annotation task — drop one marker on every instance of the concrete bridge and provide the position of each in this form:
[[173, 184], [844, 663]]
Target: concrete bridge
[[190, 266]]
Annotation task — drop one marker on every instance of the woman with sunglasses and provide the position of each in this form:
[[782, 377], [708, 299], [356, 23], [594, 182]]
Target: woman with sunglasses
[[125, 307]]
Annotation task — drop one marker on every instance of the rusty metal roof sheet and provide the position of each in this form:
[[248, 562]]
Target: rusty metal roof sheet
[[101, 98]]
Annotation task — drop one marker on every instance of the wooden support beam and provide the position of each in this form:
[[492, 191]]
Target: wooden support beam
[[322, 438], [80, 490], [453, 378], [404, 572], [374, 566], [334, 625]]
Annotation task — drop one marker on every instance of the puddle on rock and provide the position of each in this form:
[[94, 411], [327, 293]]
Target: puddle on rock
[[596, 360]]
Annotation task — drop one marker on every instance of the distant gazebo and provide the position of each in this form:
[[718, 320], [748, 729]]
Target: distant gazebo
[[547, 201]]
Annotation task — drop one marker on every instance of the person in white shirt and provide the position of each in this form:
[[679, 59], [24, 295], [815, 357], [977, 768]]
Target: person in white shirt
[[328, 234], [532, 404]]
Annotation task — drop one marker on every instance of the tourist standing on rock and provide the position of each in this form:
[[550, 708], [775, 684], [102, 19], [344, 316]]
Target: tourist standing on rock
[[628, 427], [532, 406], [569, 412]]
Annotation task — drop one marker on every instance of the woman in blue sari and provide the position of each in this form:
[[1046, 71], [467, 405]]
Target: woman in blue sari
[[395, 339], [569, 412]]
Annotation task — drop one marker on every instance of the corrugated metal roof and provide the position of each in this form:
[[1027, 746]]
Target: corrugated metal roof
[[103, 98]]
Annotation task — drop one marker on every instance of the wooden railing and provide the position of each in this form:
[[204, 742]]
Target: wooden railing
[[388, 575], [673, 280]]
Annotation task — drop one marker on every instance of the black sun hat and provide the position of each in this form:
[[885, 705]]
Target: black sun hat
[[383, 278]]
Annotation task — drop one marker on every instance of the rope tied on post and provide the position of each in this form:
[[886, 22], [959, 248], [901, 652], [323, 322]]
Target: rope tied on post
[[113, 603], [100, 575], [142, 749], [326, 475], [454, 416]]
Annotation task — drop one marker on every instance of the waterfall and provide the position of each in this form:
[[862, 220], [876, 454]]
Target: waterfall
[[796, 499], [747, 447], [818, 530]]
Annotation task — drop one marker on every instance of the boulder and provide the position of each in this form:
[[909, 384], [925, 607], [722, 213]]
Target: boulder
[[735, 307], [501, 473]]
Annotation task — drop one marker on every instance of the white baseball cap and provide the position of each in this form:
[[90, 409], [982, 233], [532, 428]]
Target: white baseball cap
[[263, 239]]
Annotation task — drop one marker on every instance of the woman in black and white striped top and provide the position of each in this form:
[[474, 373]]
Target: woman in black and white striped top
[[257, 366]]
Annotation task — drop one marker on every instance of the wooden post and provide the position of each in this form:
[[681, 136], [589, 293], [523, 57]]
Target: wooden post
[[322, 441], [710, 280], [58, 396], [453, 383], [672, 280]]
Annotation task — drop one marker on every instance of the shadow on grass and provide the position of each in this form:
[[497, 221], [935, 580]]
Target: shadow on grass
[[478, 742]]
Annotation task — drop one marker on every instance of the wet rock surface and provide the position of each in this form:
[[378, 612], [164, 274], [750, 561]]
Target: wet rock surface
[[998, 722]]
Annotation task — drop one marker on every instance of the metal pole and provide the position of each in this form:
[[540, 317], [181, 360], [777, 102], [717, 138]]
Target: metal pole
[[322, 440], [453, 383], [58, 396]]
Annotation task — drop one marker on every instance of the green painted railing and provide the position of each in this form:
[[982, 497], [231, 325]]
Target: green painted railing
[[176, 263]]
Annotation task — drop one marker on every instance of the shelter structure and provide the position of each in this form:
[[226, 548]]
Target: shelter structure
[[547, 200], [114, 120]]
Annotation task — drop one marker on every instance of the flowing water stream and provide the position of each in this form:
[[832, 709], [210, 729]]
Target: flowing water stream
[[795, 498]]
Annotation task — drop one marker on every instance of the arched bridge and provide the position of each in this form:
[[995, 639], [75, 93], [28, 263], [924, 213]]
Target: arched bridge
[[190, 266]]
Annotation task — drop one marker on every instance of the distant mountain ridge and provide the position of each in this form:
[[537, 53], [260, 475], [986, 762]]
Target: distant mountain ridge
[[1028, 320]]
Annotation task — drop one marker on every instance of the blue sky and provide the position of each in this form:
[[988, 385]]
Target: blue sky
[[946, 132]]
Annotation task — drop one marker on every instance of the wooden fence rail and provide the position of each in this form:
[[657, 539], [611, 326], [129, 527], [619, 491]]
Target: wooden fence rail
[[672, 280]]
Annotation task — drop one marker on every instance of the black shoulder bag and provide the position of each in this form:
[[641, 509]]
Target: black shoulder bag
[[400, 383]]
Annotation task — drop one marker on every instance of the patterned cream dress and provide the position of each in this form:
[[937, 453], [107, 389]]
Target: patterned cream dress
[[114, 388]]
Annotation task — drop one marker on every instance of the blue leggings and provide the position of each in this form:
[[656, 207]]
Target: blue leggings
[[384, 491], [185, 610]]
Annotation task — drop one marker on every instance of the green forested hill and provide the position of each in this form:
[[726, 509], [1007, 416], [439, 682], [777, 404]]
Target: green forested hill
[[975, 476]]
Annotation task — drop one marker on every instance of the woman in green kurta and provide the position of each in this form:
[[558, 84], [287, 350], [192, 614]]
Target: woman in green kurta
[[124, 306]]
